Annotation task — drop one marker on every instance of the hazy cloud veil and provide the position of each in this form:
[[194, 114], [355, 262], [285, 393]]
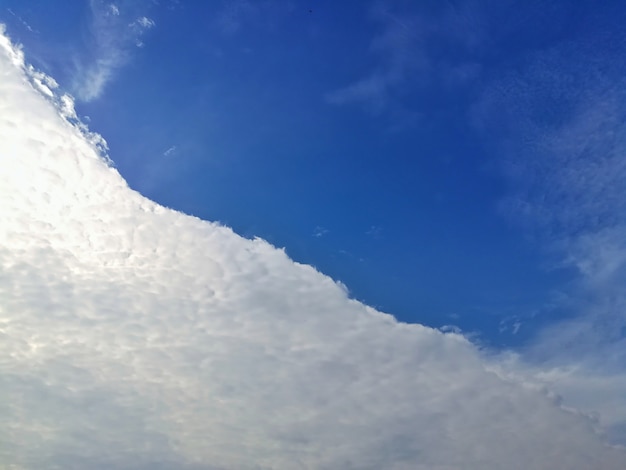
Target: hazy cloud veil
[[135, 337]]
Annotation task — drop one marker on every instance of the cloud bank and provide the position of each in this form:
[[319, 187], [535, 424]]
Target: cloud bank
[[135, 337]]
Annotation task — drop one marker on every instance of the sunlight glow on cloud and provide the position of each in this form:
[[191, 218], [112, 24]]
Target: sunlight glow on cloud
[[134, 336]]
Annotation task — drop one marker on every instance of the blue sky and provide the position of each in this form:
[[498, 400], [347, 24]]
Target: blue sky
[[362, 137], [459, 165]]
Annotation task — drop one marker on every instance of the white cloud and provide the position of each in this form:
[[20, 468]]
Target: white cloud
[[133, 336], [320, 231], [112, 38], [584, 385], [113, 9], [145, 22], [375, 231], [170, 151]]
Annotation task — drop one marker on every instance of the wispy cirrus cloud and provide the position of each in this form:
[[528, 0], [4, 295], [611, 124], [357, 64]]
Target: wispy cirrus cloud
[[404, 60], [170, 152], [134, 336], [115, 30], [22, 21], [401, 55], [559, 121], [320, 231]]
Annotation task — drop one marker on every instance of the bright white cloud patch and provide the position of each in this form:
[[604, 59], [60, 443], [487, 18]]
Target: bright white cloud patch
[[135, 337]]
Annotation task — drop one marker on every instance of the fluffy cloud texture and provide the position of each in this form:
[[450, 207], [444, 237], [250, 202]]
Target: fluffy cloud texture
[[134, 337]]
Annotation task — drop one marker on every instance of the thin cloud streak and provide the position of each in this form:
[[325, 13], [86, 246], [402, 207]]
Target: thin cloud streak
[[114, 34], [398, 46], [405, 64]]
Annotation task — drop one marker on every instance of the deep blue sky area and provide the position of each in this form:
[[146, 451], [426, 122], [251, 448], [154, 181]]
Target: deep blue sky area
[[411, 150]]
